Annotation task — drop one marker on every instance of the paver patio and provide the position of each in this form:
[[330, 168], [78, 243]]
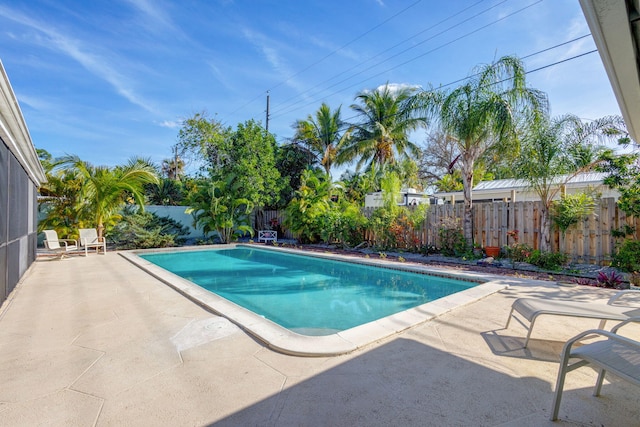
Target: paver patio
[[97, 341]]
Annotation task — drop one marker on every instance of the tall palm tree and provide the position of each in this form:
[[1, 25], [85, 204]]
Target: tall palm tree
[[556, 150], [173, 168], [323, 135], [482, 114], [388, 115], [105, 190]]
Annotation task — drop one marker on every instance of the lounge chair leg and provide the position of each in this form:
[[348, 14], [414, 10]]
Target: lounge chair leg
[[526, 340], [600, 380], [509, 319], [562, 372]]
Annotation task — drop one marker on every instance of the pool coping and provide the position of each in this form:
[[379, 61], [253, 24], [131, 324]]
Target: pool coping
[[286, 341]]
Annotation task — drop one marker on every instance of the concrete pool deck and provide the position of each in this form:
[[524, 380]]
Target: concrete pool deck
[[97, 341]]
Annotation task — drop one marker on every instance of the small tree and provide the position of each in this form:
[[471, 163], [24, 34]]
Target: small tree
[[217, 206], [105, 191]]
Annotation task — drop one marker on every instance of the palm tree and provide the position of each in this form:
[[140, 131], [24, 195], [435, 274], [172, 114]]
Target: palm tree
[[556, 150], [216, 206], [481, 115], [173, 168], [388, 114], [322, 135], [106, 190]]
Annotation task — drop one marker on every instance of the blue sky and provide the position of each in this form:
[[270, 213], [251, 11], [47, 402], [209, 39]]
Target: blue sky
[[111, 79]]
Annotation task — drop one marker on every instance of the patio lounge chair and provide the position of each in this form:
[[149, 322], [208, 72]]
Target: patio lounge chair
[[60, 246], [616, 354], [89, 239], [531, 308]]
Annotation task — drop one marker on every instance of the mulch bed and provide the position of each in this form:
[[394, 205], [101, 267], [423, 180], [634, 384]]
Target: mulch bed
[[439, 262]]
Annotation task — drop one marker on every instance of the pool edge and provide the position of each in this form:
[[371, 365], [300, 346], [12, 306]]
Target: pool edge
[[285, 341]]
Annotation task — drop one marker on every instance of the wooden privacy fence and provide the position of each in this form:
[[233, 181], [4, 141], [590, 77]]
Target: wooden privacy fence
[[589, 241]]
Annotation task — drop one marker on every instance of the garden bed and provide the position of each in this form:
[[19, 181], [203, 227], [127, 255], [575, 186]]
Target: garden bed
[[521, 270]]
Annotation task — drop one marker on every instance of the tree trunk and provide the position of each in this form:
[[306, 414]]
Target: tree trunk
[[467, 184], [545, 229], [100, 231]]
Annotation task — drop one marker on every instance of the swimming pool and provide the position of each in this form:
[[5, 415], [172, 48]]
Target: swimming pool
[[310, 296], [261, 291]]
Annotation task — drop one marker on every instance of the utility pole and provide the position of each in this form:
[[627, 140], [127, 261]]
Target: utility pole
[[175, 162], [267, 121]]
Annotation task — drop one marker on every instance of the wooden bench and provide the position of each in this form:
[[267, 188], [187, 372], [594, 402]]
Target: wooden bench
[[267, 236], [616, 354]]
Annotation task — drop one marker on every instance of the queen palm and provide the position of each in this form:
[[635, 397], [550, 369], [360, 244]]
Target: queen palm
[[481, 115], [388, 115], [173, 168], [106, 190], [323, 135], [556, 150]]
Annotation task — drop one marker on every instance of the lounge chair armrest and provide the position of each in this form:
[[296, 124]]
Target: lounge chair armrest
[[621, 324], [602, 333], [66, 241], [620, 294]]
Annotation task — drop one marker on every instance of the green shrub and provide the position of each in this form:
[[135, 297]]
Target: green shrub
[[342, 224], [452, 241], [547, 260], [519, 252], [143, 230], [627, 258]]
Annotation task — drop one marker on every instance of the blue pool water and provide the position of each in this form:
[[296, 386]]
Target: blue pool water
[[308, 295]]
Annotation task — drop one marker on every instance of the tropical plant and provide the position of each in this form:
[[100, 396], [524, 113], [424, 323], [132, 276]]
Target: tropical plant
[[342, 224], [548, 161], [358, 184], [610, 280], [291, 161], [173, 168], [547, 260], [167, 192], [452, 242], [323, 135], [311, 202], [481, 115], [388, 115], [105, 191], [624, 175], [217, 206], [58, 199], [627, 256], [570, 209]]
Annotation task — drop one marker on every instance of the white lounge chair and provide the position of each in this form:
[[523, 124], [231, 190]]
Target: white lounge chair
[[616, 354], [59, 246], [531, 308], [89, 239]]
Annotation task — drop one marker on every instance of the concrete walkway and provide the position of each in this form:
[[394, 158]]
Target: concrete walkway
[[96, 341]]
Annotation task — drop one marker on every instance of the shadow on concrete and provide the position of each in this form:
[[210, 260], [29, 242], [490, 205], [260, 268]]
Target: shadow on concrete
[[402, 383]]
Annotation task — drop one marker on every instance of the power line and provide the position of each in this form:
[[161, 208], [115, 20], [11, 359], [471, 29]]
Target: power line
[[346, 125], [329, 55], [347, 44], [393, 47], [412, 59]]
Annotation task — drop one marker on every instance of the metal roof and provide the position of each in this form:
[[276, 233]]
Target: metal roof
[[512, 184]]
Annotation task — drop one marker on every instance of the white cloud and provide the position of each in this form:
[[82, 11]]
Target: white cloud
[[75, 49], [171, 124], [268, 49]]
